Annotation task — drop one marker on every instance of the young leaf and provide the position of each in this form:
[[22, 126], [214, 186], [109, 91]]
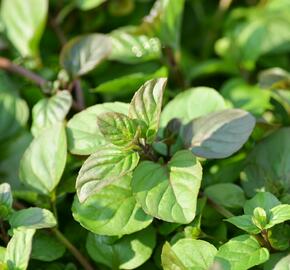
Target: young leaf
[[107, 165], [220, 134], [146, 105], [6, 200], [44, 160], [188, 254], [226, 194], [128, 48], [82, 54], [13, 115], [169, 192], [118, 129], [32, 218], [112, 210], [46, 248], [48, 111], [164, 21], [241, 252], [279, 214], [264, 200], [191, 104], [84, 136], [19, 248], [129, 252], [24, 23]]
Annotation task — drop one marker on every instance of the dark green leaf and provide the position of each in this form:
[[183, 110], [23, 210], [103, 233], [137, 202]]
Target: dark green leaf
[[6, 200], [82, 54], [128, 252], [219, 134], [245, 223]]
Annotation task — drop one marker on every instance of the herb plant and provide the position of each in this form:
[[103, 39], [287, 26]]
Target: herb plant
[[112, 154]]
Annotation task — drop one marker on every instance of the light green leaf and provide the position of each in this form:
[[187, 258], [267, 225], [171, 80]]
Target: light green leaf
[[32, 218], [226, 194], [220, 134], [279, 214], [88, 4], [44, 160], [112, 211], [6, 200], [83, 53], [128, 252], [2, 254], [24, 22], [107, 165], [264, 200], [48, 111], [188, 254], [13, 115], [46, 248], [146, 105], [283, 264], [272, 173], [128, 48], [169, 192], [18, 249], [164, 21], [84, 136], [245, 223], [192, 104], [119, 129], [241, 253]]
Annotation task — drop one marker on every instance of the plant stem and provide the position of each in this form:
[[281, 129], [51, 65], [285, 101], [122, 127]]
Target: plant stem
[[266, 241], [6, 64], [73, 250], [53, 204], [79, 94]]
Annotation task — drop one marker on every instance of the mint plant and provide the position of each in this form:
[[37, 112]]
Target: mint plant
[[144, 134]]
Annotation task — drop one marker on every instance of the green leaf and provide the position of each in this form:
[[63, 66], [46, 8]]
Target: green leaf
[[46, 248], [279, 214], [279, 236], [32, 218], [119, 129], [107, 165], [274, 78], [83, 53], [6, 200], [244, 222], [260, 218], [128, 48], [2, 254], [188, 254], [192, 104], [48, 111], [271, 173], [226, 194], [169, 192], [241, 252], [84, 136], [13, 115], [164, 21], [44, 160], [88, 4], [146, 105], [24, 22], [220, 134], [128, 252], [112, 211], [283, 264], [18, 249], [247, 97], [264, 200]]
